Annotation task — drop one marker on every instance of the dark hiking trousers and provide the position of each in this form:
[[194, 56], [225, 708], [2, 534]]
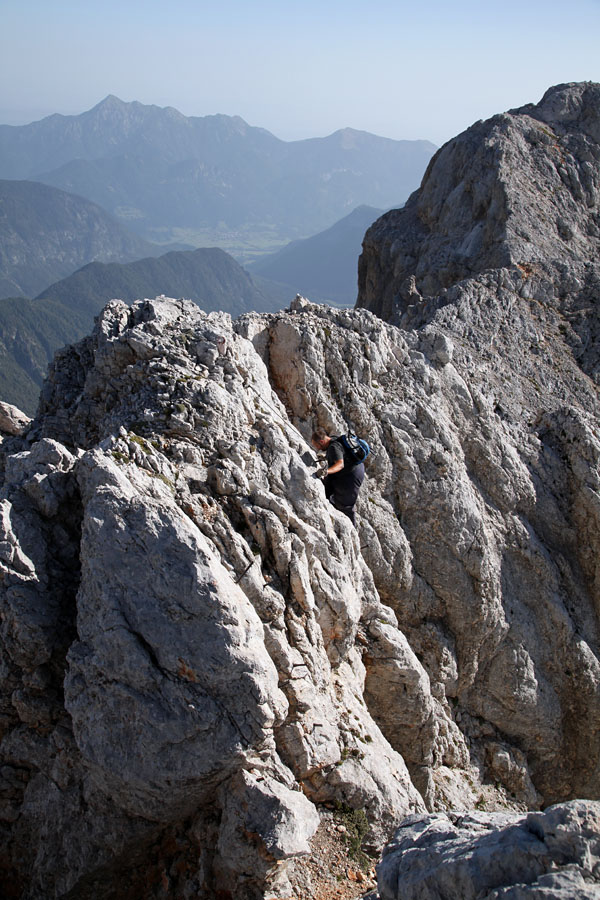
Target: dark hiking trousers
[[342, 489]]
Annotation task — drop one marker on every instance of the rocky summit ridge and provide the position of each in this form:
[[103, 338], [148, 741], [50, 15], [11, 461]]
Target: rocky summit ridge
[[520, 189], [204, 663]]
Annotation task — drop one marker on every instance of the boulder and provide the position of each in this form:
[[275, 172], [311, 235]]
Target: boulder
[[12, 420], [553, 855]]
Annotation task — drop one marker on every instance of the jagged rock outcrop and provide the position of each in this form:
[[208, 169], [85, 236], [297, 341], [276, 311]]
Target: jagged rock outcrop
[[185, 623], [520, 189], [554, 855], [199, 653], [479, 524], [492, 271], [193, 637]]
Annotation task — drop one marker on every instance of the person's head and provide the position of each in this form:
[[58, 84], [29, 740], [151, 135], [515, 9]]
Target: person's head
[[320, 439]]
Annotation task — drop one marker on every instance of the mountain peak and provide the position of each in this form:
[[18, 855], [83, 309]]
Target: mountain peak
[[480, 205], [158, 168], [110, 102]]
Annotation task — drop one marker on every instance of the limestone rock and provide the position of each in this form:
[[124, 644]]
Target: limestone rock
[[464, 521], [520, 189], [205, 654], [475, 262], [491, 273], [199, 653], [159, 620], [12, 420], [555, 855], [193, 635], [261, 812]]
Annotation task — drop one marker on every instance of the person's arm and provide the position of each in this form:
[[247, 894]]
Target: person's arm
[[337, 466]]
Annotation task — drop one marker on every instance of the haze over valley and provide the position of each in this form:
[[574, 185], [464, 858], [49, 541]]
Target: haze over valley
[[211, 181]]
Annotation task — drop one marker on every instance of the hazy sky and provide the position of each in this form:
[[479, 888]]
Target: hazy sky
[[304, 69]]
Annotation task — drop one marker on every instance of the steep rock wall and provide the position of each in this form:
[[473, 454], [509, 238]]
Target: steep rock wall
[[491, 270], [520, 189], [478, 522], [200, 652], [184, 621]]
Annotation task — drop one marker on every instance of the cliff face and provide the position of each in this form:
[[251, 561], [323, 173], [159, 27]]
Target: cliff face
[[520, 189], [201, 656], [199, 651], [496, 255], [185, 625]]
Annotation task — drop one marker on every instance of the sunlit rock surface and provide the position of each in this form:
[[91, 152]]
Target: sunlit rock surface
[[199, 654]]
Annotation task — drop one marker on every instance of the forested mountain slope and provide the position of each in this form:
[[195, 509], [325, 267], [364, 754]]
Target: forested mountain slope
[[45, 234]]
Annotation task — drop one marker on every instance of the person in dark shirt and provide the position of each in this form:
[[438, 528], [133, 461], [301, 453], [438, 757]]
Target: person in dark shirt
[[341, 477]]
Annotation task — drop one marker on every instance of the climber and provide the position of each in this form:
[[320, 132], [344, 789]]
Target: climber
[[341, 477]]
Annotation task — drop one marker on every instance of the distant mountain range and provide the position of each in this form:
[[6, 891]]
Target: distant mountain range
[[32, 330], [45, 234], [324, 267], [212, 179]]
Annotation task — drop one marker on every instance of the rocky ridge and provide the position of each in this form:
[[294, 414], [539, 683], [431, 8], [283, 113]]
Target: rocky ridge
[[518, 190], [202, 659], [494, 264], [183, 621], [196, 649]]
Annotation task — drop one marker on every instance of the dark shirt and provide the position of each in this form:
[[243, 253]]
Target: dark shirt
[[342, 487], [335, 451]]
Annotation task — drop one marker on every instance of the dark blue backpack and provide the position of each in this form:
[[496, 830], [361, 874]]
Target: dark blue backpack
[[356, 449]]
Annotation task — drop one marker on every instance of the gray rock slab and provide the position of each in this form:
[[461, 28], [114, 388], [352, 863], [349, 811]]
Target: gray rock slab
[[553, 854]]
